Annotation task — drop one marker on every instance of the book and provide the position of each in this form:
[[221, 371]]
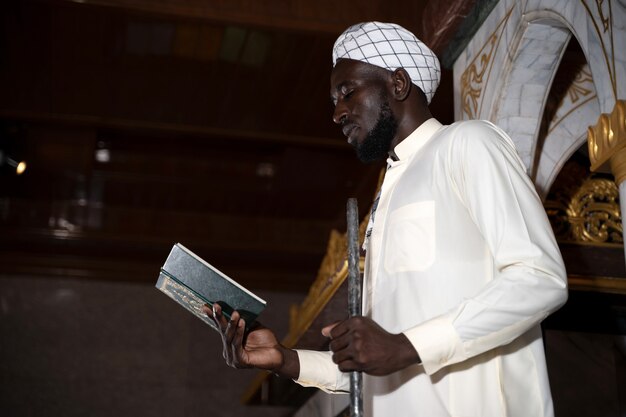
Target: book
[[192, 282]]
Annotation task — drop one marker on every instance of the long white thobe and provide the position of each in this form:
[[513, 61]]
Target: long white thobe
[[463, 261]]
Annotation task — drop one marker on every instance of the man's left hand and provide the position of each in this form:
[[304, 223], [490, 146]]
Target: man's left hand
[[359, 344]]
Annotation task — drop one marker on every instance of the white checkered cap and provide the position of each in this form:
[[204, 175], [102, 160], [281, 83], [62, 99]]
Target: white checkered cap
[[391, 46]]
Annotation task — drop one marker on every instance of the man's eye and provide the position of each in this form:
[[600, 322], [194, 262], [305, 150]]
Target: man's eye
[[348, 94]]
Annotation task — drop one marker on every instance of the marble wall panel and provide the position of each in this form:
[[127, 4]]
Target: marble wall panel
[[567, 130], [516, 53]]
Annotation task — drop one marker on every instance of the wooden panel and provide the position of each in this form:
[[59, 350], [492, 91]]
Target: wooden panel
[[301, 15]]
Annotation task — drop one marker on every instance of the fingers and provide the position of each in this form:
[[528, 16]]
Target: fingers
[[340, 343], [227, 327], [326, 330], [348, 343], [232, 331], [216, 314], [335, 330], [236, 344], [348, 366], [232, 327], [348, 360]]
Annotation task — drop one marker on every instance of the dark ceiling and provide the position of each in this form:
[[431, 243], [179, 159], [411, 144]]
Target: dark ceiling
[[146, 123]]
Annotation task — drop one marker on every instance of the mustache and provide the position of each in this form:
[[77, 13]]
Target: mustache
[[347, 126]]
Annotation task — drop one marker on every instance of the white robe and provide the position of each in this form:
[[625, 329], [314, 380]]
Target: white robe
[[463, 261]]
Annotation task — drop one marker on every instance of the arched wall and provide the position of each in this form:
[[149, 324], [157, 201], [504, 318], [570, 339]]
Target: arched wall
[[506, 71]]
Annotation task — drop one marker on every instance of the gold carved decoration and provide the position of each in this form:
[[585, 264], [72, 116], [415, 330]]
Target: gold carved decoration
[[602, 22], [571, 89], [582, 86], [605, 20], [473, 78], [592, 214], [332, 273], [607, 141]]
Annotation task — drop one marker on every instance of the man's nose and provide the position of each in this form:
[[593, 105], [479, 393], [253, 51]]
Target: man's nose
[[340, 113]]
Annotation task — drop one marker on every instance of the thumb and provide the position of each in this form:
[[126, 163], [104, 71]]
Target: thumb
[[326, 330]]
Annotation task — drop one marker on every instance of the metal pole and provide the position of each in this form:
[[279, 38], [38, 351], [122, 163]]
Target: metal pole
[[354, 299]]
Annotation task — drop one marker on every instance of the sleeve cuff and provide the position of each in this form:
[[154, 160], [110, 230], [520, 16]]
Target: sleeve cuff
[[437, 343], [317, 369]]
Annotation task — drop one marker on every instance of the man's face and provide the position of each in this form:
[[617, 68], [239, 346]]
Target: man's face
[[358, 91]]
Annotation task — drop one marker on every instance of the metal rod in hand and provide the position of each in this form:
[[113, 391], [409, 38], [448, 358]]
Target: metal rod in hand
[[354, 299]]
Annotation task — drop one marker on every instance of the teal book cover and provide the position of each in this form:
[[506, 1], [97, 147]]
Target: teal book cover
[[192, 282]]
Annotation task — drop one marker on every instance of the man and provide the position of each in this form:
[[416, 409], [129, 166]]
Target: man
[[461, 263]]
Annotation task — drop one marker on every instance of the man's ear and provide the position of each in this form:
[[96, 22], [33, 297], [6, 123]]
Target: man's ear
[[402, 84]]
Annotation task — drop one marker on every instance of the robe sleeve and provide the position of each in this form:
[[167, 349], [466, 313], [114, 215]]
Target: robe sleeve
[[317, 369], [529, 280]]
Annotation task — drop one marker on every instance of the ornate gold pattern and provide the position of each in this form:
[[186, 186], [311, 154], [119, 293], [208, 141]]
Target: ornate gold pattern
[[185, 297], [472, 78], [592, 215], [332, 273], [604, 28], [605, 20], [582, 86], [607, 141], [578, 92], [301, 317], [474, 75], [594, 212]]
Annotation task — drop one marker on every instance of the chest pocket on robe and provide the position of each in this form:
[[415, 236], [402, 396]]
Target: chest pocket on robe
[[410, 243]]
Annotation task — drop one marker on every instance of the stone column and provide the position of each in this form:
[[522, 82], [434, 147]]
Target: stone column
[[607, 143]]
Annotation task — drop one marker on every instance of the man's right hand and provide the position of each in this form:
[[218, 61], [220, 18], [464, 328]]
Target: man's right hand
[[258, 348]]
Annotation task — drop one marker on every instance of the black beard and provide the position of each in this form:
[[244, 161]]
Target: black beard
[[377, 143]]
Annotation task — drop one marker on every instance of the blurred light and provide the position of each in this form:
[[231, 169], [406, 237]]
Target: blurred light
[[266, 170], [20, 166], [103, 155]]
